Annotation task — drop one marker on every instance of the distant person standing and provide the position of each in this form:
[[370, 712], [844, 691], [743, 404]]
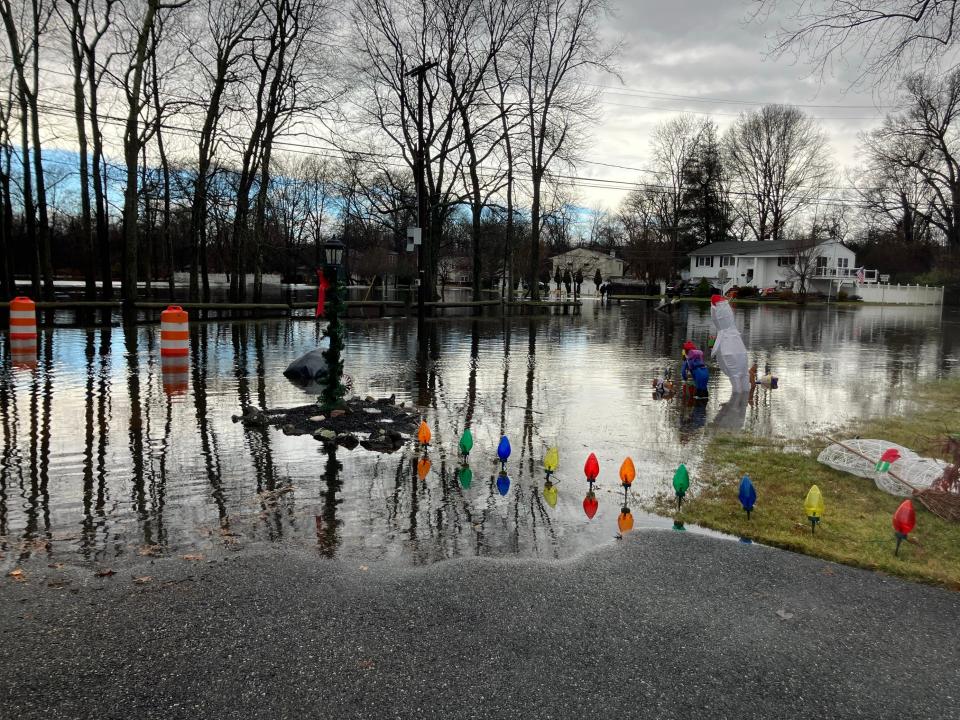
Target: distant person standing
[[567, 279], [577, 282], [557, 278], [597, 280]]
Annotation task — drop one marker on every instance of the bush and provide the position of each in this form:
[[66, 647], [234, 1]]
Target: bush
[[703, 289], [747, 291], [843, 296], [788, 295]]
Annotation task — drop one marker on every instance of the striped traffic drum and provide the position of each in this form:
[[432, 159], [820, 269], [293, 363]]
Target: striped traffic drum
[[23, 332], [174, 332]]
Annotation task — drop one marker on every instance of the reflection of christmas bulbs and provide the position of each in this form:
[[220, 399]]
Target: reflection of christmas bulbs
[[503, 483], [465, 475], [423, 433], [590, 504], [551, 461], [466, 442], [423, 467], [591, 468], [627, 472], [625, 520], [550, 493], [813, 506]]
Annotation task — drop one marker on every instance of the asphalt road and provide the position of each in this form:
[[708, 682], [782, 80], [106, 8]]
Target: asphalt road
[[663, 625]]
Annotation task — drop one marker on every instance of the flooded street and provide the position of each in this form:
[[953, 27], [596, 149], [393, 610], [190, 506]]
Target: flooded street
[[105, 457]]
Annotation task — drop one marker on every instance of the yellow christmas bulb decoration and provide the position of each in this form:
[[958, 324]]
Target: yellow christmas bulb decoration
[[423, 467], [551, 461], [813, 505], [550, 494], [627, 471], [423, 433]]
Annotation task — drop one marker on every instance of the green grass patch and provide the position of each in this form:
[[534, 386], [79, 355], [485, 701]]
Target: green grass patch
[[856, 528]]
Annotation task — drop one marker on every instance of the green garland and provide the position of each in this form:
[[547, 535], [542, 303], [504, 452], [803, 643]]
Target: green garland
[[333, 389]]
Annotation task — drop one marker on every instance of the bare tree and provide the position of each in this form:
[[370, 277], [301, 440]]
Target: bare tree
[[141, 29], [779, 163], [559, 41], [890, 35], [922, 143], [673, 147], [803, 247], [24, 24], [218, 55], [7, 287]]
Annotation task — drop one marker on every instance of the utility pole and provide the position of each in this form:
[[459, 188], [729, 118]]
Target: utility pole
[[423, 218]]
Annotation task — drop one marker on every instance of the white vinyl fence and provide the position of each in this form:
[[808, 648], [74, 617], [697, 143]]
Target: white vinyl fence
[[900, 294]]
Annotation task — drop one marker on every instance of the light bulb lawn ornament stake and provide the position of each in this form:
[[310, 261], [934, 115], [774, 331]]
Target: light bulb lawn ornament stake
[[466, 442], [681, 483], [904, 520], [747, 495], [423, 433], [813, 506], [551, 461], [503, 452], [591, 469]]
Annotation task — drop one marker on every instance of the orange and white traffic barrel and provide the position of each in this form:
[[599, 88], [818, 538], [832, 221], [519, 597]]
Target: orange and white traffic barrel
[[174, 332], [23, 332]]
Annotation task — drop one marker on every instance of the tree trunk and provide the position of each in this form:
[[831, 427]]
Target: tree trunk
[[99, 183], [86, 224], [534, 277], [131, 153]]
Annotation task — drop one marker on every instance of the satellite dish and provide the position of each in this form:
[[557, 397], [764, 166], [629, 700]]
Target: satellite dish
[[723, 275]]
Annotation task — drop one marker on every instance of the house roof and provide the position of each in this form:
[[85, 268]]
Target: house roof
[[749, 248], [582, 251]]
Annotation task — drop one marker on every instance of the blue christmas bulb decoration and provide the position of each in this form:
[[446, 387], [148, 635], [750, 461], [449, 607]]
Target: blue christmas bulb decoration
[[747, 495], [503, 449], [503, 483]]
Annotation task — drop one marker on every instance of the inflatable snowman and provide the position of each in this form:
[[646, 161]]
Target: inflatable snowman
[[728, 349]]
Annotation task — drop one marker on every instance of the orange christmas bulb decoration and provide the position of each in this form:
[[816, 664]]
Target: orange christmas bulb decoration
[[423, 433], [627, 472], [625, 520], [423, 467]]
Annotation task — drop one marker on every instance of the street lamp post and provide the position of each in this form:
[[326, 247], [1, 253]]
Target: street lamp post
[[419, 170], [333, 391]]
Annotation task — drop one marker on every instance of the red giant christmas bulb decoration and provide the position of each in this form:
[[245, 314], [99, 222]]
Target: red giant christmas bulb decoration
[[590, 504], [591, 468]]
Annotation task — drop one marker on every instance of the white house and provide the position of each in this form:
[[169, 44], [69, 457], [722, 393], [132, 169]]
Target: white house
[[773, 264], [587, 261]]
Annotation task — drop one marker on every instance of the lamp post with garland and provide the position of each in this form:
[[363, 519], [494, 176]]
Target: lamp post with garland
[[333, 390]]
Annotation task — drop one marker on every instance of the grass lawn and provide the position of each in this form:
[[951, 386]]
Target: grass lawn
[[856, 528]]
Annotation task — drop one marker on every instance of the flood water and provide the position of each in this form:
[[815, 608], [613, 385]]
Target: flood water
[[104, 459]]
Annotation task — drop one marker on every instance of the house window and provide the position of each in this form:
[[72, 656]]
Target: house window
[[843, 262], [704, 260], [784, 261], [822, 262], [727, 261]]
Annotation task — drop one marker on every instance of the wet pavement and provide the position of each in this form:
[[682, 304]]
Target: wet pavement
[[661, 624]]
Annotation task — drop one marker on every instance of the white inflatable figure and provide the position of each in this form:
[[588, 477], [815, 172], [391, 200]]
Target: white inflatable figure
[[728, 348]]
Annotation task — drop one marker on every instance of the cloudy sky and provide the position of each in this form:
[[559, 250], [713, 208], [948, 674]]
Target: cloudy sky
[[708, 57]]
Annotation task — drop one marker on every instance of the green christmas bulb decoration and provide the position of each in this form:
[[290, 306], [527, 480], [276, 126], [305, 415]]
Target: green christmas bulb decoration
[[465, 476], [466, 442], [681, 483]]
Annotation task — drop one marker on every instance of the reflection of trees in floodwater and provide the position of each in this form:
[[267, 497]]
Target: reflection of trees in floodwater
[[37, 500], [274, 509], [328, 538], [97, 414], [209, 449], [11, 469], [436, 515]]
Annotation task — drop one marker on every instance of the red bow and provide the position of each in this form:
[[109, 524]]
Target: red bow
[[322, 286]]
